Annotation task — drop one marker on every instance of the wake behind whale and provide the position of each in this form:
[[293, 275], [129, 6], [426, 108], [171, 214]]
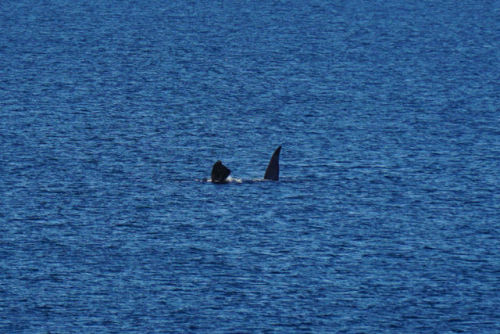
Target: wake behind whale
[[220, 173]]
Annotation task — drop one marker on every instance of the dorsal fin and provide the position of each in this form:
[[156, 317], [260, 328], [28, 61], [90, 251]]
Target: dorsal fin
[[220, 172], [273, 169]]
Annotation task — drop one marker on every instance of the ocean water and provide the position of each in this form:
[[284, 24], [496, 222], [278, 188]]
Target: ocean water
[[386, 218]]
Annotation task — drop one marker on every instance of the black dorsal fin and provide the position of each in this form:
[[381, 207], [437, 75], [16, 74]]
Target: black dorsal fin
[[220, 172], [273, 169]]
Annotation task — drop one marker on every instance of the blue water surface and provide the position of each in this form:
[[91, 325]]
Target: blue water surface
[[387, 214]]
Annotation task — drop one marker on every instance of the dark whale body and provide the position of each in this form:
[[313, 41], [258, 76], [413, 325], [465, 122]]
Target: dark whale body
[[220, 173]]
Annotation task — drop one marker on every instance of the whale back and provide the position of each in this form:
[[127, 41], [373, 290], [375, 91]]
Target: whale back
[[273, 168]]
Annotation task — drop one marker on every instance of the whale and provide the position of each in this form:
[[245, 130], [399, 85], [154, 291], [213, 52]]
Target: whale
[[220, 173], [273, 168]]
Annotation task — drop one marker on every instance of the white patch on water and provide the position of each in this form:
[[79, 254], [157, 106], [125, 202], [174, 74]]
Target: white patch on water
[[234, 179], [230, 179]]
